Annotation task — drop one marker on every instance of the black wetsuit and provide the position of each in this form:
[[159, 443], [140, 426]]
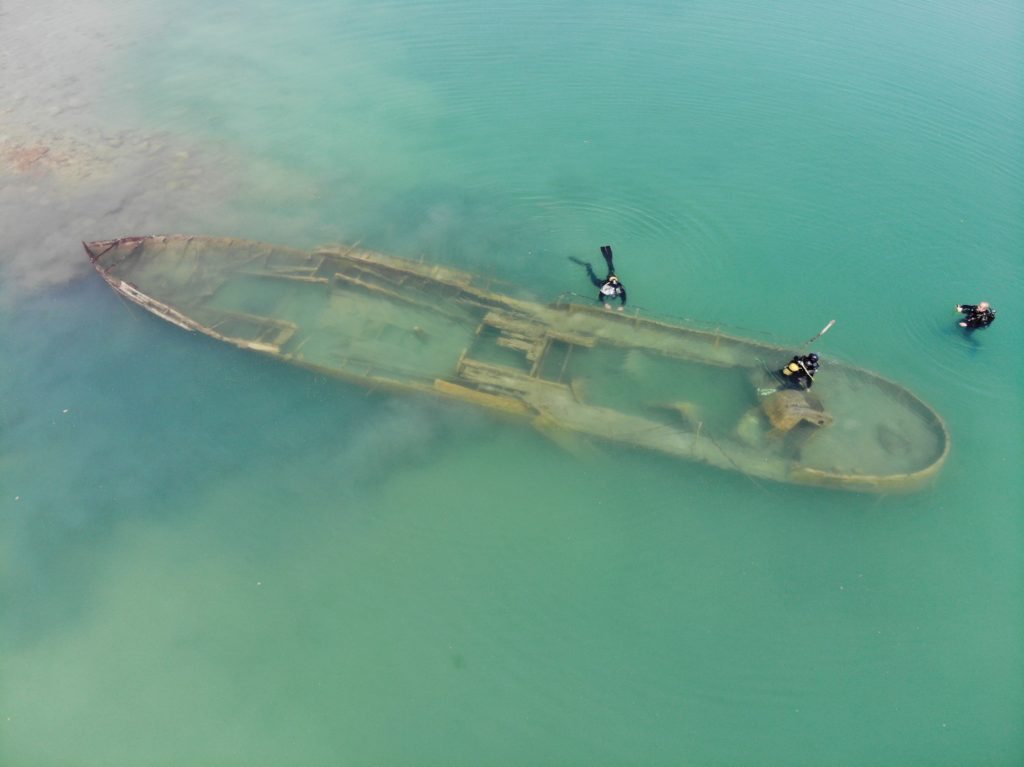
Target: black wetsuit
[[606, 288], [974, 317], [612, 290], [800, 371]]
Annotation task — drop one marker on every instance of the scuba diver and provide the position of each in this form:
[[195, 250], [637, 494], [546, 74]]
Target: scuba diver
[[980, 316], [609, 287], [799, 372]]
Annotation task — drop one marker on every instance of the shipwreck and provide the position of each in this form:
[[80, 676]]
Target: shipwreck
[[567, 367]]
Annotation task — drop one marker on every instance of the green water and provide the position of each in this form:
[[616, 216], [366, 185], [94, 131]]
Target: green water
[[211, 559]]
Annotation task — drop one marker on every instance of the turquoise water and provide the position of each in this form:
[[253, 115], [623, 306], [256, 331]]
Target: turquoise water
[[212, 559]]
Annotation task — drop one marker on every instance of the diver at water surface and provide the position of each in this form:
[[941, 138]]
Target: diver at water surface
[[980, 316], [799, 372], [609, 288]]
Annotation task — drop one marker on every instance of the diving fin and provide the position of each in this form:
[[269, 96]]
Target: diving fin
[[606, 251]]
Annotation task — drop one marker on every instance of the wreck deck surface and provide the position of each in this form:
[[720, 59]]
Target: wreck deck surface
[[378, 320]]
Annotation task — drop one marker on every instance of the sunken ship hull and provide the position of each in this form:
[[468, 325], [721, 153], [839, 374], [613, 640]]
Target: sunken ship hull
[[567, 367]]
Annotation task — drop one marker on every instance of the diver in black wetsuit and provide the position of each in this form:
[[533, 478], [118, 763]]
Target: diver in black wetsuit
[[799, 372], [980, 316], [609, 287]]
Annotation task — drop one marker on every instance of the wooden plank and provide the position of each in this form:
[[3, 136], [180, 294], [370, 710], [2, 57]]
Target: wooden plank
[[438, 307], [503, 377], [573, 339], [519, 343], [514, 325], [535, 331], [286, 277], [539, 354], [493, 401]]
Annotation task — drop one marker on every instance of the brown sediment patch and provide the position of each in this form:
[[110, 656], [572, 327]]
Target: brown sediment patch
[[26, 159], [90, 156], [61, 157]]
